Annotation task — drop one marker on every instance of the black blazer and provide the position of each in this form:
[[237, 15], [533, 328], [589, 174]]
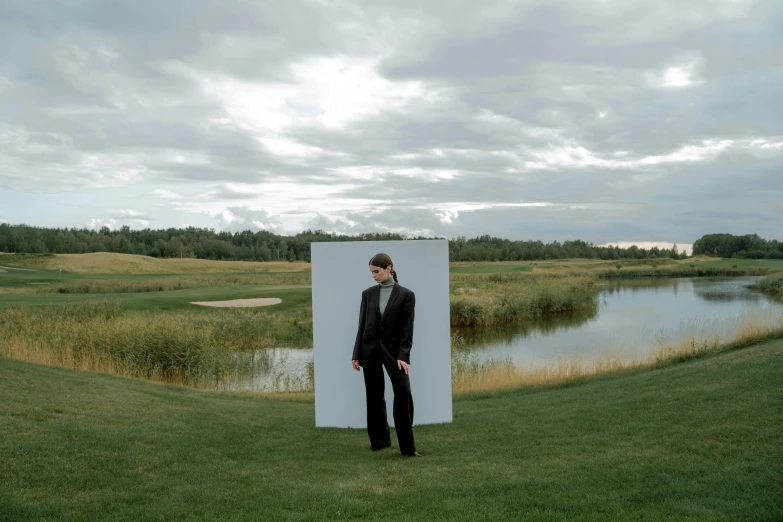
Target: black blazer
[[388, 337]]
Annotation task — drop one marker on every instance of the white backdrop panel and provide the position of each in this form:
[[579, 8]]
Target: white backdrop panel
[[340, 272]]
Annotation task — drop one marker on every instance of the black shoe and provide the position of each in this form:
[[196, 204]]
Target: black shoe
[[414, 454], [379, 448]]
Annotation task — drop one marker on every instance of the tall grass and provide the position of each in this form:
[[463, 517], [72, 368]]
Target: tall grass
[[505, 298], [202, 350], [281, 373], [230, 352], [692, 339], [772, 284], [679, 270]]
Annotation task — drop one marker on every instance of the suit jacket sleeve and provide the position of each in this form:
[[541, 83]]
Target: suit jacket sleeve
[[406, 344], [357, 346]]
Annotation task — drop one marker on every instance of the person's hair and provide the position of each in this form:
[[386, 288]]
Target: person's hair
[[382, 261]]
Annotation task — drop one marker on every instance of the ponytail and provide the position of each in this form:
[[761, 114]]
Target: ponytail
[[384, 261]]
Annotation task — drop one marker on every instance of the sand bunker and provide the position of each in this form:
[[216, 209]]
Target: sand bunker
[[241, 303]]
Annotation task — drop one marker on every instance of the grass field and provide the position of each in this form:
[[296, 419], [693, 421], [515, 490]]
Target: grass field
[[489, 268], [294, 298], [629, 268], [111, 263], [103, 265], [702, 440]]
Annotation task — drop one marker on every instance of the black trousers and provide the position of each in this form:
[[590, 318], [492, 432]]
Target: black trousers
[[377, 425]]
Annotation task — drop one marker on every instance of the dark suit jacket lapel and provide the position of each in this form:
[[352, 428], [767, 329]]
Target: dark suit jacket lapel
[[392, 297]]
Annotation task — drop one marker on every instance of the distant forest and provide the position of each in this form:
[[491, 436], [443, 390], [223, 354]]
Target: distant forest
[[265, 246], [204, 243], [750, 246]]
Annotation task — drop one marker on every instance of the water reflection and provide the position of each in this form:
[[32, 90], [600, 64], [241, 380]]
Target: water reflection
[[633, 319], [728, 290], [707, 288], [507, 334], [630, 322], [277, 370], [634, 286]]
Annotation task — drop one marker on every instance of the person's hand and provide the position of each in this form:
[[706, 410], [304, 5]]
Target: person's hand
[[402, 365], [355, 364]]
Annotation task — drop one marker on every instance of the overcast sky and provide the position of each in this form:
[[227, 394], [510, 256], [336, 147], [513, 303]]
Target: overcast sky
[[604, 120]]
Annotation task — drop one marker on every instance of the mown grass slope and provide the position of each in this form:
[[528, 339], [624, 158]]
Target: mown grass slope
[[113, 263], [295, 298], [701, 440]]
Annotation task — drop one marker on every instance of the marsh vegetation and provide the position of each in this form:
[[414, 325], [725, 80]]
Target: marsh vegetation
[[503, 298], [143, 325], [772, 284], [196, 349]]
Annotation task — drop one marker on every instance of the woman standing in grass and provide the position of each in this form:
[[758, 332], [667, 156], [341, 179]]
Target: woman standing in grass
[[384, 340]]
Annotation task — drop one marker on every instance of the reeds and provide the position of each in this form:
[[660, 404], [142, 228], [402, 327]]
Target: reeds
[[772, 284], [279, 373], [202, 350], [696, 270], [506, 298]]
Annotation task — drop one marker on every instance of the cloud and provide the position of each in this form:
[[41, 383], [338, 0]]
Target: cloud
[[97, 223], [242, 218], [117, 218], [411, 223], [116, 223], [164, 194], [534, 119], [687, 248], [124, 214], [678, 75]]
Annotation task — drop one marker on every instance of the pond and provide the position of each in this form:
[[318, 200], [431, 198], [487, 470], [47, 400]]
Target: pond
[[632, 320]]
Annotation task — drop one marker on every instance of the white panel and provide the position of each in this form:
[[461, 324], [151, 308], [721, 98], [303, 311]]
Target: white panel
[[340, 272]]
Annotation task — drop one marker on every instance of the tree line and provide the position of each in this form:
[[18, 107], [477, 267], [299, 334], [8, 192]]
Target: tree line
[[749, 246], [203, 243]]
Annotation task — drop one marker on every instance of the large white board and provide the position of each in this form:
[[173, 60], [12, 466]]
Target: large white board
[[340, 272]]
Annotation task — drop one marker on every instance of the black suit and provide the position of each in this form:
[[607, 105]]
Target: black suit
[[381, 340]]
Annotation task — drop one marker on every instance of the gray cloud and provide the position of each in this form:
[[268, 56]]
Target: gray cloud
[[651, 121], [237, 219]]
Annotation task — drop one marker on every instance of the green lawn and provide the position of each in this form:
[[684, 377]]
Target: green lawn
[[701, 440], [24, 279], [776, 264], [491, 268], [294, 298]]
